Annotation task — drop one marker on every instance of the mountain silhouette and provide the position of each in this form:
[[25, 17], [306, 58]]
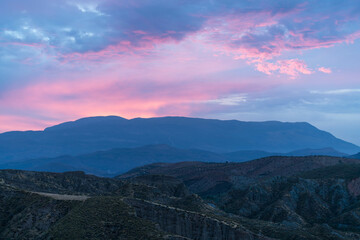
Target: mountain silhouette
[[104, 133]]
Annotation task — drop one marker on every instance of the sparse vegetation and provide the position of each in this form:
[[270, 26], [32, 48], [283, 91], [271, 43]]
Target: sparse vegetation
[[343, 171], [104, 218], [238, 200]]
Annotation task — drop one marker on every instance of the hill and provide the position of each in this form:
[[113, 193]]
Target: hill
[[203, 178], [246, 155], [104, 133], [317, 152], [298, 192], [282, 204]]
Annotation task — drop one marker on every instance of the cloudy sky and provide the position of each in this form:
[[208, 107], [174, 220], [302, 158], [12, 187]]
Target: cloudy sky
[[249, 60]]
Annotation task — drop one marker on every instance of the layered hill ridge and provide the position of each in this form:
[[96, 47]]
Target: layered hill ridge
[[203, 177], [115, 161], [103, 133], [296, 192], [120, 160]]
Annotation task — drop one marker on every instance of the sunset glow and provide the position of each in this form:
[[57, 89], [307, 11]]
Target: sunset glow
[[246, 60]]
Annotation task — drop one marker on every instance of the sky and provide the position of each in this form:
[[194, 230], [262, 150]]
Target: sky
[[250, 60]]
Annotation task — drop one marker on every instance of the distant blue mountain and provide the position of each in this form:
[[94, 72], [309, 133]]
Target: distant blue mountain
[[103, 133], [115, 161], [120, 160]]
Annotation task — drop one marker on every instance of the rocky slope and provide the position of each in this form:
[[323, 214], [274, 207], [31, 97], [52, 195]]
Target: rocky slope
[[26, 214], [319, 193], [211, 201]]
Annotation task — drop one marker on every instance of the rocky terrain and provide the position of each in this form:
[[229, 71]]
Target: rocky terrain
[[307, 198], [154, 207], [203, 177], [316, 192]]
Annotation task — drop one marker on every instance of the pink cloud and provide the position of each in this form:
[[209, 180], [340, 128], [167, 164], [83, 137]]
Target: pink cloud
[[267, 67], [259, 37], [254, 36], [291, 67], [325, 70], [21, 122], [65, 100], [168, 67], [173, 81]]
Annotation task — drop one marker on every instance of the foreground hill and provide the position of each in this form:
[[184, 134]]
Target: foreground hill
[[297, 192], [295, 205], [120, 160], [73, 205], [154, 207], [103, 133]]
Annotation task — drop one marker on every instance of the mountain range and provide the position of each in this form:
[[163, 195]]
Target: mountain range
[[178, 178], [93, 134]]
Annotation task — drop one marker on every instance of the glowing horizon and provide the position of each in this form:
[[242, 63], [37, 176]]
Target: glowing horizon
[[250, 60]]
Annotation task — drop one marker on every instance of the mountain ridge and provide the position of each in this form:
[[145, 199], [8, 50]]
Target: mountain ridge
[[103, 133]]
